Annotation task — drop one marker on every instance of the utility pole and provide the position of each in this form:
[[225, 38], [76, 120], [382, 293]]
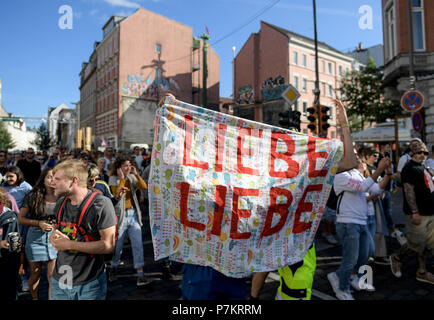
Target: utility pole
[[316, 91], [410, 44], [204, 37]]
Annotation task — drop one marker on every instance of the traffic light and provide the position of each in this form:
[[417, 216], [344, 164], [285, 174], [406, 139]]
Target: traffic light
[[295, 117], [290, 119], [324, 117], [284, 121], [312, 117]]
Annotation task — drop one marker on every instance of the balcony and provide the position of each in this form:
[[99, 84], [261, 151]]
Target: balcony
[[196, 44]]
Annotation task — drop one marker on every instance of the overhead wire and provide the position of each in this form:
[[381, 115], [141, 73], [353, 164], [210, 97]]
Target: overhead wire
[[261, 12]]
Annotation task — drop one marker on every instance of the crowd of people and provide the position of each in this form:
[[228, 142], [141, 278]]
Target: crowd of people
[[361, 212], [73, 211]]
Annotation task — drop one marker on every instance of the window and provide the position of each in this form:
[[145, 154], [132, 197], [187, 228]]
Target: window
[[418, 25], [296, 105], [295, 82], [330, 92], [304, 60], [333, 135], [305, 131], [331, 113], [313, 63], [295, 57], [158, 48], [341, 72], [304, 85], [304, 108], [390, 25], [330, 68]]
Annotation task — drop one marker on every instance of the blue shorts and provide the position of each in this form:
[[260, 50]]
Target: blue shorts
[[94, 290], [38, 246], [205, 283]]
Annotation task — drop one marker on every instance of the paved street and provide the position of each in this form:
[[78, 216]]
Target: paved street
[[328, 259]]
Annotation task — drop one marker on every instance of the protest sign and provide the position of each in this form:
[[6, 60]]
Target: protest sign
[[233, 194]]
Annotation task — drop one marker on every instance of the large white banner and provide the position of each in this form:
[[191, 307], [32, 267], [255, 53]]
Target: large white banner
[[233, 194]]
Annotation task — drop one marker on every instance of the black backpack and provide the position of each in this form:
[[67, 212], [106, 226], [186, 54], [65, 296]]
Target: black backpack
[[334, 200]]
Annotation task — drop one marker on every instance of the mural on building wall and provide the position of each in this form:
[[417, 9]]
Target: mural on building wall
[[137, 86], [246, 95], [272, 88]]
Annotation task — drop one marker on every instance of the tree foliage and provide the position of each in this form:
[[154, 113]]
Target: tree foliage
[[6, 141], [363, 95], [43, 140]]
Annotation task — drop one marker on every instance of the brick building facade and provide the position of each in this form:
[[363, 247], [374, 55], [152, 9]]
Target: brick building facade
[[139, 59]]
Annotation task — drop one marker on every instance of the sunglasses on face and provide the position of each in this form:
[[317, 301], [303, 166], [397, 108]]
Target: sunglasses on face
[[424, 152]]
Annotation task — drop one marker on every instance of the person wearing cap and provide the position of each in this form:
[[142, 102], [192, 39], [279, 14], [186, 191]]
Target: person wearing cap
[[419, 213], [406, 157]]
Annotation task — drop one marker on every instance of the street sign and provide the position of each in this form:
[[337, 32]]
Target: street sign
[[417, 121], [291, 94], [412, 101]]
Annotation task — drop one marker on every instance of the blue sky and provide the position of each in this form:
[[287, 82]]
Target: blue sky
[[40, 63]]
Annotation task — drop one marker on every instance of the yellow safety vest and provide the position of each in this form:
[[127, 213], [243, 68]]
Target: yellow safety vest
[[296, 280]]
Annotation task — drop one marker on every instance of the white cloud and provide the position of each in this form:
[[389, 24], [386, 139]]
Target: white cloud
[[93, 12], [123, 3]]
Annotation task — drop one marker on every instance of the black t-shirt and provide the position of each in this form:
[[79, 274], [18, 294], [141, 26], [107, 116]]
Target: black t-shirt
[[85, 267], [415, 174], [31, 170]]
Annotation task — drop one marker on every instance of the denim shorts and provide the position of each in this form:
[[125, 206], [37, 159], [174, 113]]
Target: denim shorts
[[94, 290]]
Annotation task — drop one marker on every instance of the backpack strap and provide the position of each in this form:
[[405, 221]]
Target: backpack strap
[[340, 196], [89, 200], [59, 215]]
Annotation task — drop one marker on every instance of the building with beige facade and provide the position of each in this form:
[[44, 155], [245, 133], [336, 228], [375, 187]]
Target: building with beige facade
[[275, 57], [397, 55]]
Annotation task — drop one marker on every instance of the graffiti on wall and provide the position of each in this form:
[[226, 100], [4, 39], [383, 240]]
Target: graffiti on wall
[[246, 95], [272, 88], [137, 86]]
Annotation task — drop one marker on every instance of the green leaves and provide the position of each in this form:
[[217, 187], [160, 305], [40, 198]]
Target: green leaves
[[363, 94], [6, 141], [43, 140]]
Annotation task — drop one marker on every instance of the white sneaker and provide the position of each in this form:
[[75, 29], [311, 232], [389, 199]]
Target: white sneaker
[[398, 235], [334, 281], [354, 281], [369, 287], [344, 295]]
